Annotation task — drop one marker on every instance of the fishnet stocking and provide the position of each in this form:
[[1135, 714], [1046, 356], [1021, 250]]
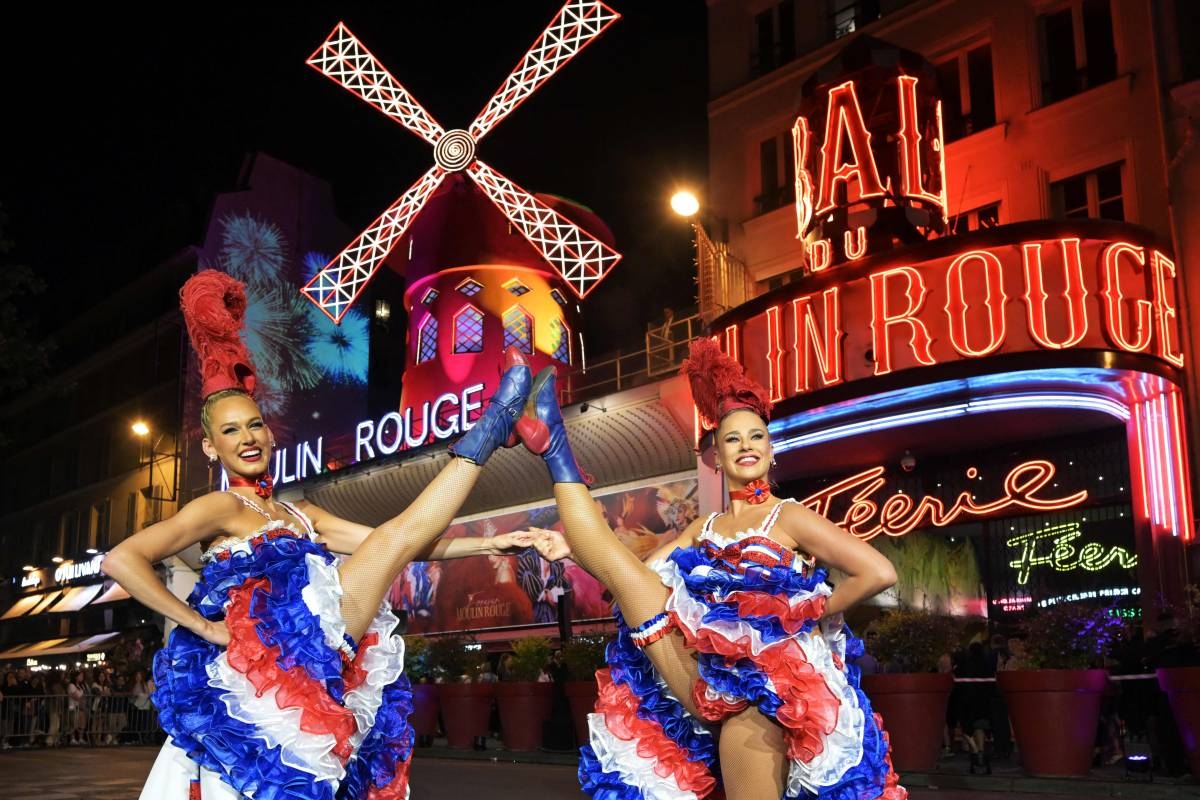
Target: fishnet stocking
[[638, 591], [367, 574], [753, 761]]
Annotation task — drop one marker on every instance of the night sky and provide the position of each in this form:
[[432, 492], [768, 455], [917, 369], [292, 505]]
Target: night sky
[[119, 129]]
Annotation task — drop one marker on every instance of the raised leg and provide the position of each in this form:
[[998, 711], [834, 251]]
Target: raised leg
[[753, 761], [367, 574]]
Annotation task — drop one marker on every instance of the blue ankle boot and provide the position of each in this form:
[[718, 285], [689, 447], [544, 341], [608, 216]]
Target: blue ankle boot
[[495, 427], [541, 429]]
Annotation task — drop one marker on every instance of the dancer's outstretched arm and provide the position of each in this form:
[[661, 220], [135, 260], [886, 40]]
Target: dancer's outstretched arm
[[343, 536], [131, 563]]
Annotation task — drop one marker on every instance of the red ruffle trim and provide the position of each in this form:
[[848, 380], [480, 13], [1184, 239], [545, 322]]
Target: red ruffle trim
[[792, 618], [619, 706], [397, 788], [810, 708], [713, 709], [892, 790], [353, 673], [319, 713]]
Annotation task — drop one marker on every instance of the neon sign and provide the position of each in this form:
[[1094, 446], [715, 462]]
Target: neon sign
[[1052, 294], [901, 514], [1052, 546], [440, 419]]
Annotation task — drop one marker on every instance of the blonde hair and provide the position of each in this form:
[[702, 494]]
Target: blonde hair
[[212, 400]]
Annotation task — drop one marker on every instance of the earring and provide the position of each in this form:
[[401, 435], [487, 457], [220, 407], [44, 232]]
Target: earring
[[717, 467], [773, 462], [212, 459]]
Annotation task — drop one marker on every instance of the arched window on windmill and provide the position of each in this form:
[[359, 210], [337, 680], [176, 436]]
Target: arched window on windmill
[[561, 340], [518, 329], [427, 341], [468, 330]]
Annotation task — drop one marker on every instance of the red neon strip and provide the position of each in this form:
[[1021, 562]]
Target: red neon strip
[[854, 243], [801, 138], [824, 344], [844, 119], [733, 343], [775, 353], [1074, 295], [910, 146], [881, 318], [1142, 466], [1182, 472], [820, 255], [1114, 299], [1168, 334], [957, 306]]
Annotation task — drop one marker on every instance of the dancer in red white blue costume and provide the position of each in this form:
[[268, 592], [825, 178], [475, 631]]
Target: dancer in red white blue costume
[[284, 678], [732, 670]]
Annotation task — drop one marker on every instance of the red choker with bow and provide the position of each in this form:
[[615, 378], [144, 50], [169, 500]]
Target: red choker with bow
[[263, 486], [754, 492]]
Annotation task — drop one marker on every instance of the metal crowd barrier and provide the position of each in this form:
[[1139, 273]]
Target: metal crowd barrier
[[60, 721]]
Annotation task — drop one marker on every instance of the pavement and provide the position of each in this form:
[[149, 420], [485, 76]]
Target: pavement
[[438, 773]]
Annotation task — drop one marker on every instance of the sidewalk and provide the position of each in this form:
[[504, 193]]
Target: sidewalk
[[953, 773]]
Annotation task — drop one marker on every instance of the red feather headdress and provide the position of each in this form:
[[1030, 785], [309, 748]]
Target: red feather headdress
[[213, 306], [719, 385]]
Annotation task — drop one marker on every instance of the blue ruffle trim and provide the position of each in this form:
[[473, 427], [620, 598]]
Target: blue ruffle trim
[[630, 666], [193, 714], [387, 746]]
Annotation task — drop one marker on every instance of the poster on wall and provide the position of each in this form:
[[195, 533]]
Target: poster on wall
[[311, 374], [503, 591]]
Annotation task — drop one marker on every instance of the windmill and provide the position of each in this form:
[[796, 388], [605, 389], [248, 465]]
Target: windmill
[[488, 264], [579, 258]]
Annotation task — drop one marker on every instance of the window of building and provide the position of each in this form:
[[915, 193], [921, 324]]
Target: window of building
[[1092, 195], [98, 524], [1077, 50], [515, 287], [968, 92], [468, 331], [427, 341], [430, 296], [562, 343], [470, 287], [847, 16], [69, 532], [131, 506], [776, 174], [518, 330], [977, 219], [774, 38], [558, 298]]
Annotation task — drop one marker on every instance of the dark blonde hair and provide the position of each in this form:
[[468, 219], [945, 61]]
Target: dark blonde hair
[[212, 400]]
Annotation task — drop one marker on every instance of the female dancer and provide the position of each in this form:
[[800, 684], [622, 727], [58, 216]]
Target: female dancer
[[737, 620], [283, 679]]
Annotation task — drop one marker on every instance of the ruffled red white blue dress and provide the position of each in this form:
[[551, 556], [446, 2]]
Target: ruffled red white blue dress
[[284, 711], [749, 608]]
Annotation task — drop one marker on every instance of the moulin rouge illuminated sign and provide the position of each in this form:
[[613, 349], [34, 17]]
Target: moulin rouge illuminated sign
[[900, 514], [1036, 294]]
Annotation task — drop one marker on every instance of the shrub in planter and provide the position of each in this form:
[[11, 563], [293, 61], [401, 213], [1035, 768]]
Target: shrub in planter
[[1062, 643], [424, 718], [912, 696], [583, 655], [525, 704], [456, 663]]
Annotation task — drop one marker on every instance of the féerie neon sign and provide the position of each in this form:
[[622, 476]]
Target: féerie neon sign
[[1052, 547], [901, 514]]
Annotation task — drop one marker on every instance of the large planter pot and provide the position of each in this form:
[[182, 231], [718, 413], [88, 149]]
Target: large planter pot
[[466, 708], [1182, 687], [913, 707], [424, 717], [582, 697], [1054, 714], [524, 709]]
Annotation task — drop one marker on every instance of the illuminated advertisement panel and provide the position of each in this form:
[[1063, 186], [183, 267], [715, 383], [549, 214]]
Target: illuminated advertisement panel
[[504, 591]]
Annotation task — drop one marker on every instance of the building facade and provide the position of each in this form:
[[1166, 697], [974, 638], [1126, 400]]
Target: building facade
[[965, 229]]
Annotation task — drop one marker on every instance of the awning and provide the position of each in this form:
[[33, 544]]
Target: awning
[[58, 647], [111, 595], [76, 598], [35, 602]]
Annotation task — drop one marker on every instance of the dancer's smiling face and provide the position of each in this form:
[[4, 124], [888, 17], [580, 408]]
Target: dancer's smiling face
[[238, 436], [743, 447]]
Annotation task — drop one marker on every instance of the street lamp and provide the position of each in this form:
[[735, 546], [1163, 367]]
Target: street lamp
[[721, 276], [140, 429]]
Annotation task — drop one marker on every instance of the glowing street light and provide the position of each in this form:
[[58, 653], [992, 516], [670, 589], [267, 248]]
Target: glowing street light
[[685, 204], [140, 428]]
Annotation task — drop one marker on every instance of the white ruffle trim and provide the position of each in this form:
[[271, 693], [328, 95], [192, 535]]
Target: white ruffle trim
[[843, 748], [383, 662], [172, 774], [621, 757], [242, 544], [277, 727]]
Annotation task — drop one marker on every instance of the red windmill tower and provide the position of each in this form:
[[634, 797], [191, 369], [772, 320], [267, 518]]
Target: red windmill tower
[[477, 280]]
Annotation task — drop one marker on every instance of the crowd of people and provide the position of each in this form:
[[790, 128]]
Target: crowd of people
[[96, 706]]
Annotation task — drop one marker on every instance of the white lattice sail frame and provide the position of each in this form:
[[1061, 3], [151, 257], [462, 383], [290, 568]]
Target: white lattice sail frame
[[580, 259]]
